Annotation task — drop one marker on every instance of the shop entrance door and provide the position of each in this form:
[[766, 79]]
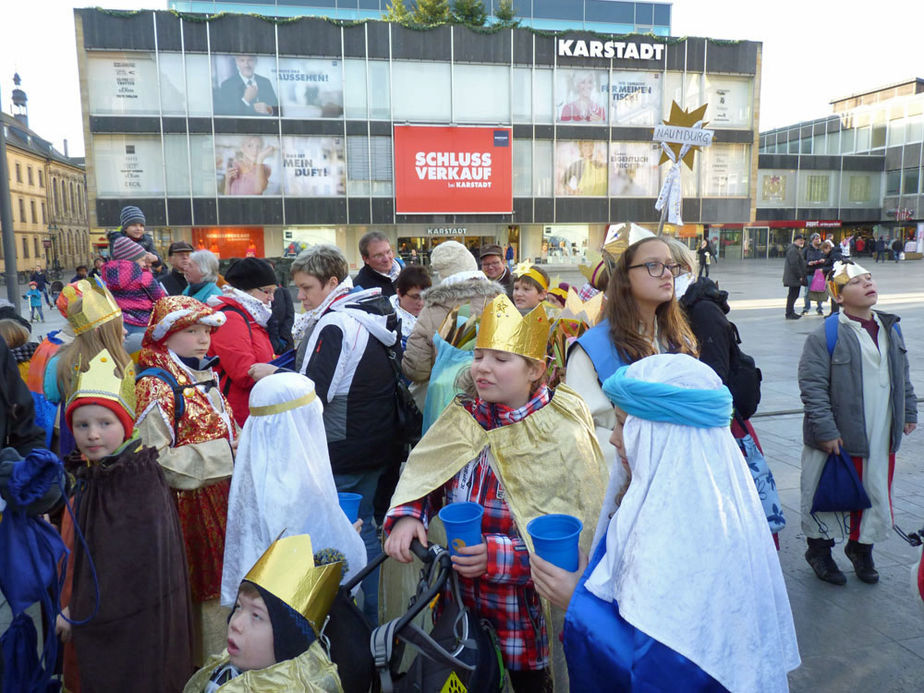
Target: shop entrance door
[[416, 249], [756, 240], [730, 244]]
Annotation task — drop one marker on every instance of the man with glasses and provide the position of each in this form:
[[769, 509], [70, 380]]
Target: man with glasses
[[495, 269], [381, 269]]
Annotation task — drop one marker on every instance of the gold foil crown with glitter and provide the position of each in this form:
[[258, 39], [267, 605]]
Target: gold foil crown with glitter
[[503, 328], [841, 273], [96, 307], [101, 381], [619, 238], [288, 572]]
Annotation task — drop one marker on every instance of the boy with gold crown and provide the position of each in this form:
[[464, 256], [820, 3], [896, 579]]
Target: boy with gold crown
[[858, 398], [273, 631], [520, 450], [128, 607]]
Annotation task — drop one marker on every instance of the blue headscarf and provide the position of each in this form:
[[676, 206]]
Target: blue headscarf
[[668, 403]]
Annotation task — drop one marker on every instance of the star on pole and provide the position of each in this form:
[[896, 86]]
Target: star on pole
[[686, 119]]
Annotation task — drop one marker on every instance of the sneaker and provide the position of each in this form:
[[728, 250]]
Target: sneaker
[[793, 316], [861, 555], [819, 311], [819, 557]]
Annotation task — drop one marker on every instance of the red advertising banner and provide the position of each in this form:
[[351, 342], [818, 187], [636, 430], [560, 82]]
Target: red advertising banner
[[453, 170]]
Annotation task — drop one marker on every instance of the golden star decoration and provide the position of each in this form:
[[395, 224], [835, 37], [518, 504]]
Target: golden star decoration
[[684, 119]]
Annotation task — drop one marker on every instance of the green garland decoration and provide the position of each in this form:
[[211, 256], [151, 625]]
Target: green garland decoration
[[486, 30]]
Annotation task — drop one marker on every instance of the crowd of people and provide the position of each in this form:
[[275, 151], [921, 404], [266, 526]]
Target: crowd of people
[[209, 435]]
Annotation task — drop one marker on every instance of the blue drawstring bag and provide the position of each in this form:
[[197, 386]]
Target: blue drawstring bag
[[763, 481], [839, 488]]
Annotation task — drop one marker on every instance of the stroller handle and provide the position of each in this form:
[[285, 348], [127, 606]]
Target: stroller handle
[[422, 552]]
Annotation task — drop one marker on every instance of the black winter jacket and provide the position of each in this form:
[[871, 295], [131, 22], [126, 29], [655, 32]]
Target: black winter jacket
[[368, 278], [17, 412]]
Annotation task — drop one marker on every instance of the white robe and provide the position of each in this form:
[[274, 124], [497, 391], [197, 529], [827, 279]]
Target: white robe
[[876, 522]]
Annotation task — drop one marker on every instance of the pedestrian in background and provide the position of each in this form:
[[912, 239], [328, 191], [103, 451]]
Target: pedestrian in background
[[35, 302], [177, 255], [40, 277], [814, 275], [794, 271]]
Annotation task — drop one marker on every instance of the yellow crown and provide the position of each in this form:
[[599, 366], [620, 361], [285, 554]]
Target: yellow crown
[[97, 307], [582, 311], [526, 269], [503, 328], [287, 571], [100, 380], [841, 273], [619, 238]]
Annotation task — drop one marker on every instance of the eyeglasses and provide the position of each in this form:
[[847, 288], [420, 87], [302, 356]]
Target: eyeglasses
[[268, 290], [656, 269]]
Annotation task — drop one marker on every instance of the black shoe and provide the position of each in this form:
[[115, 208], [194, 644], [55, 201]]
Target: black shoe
[[793, 316], [805, 311], [861, 555], [819, 557], [819, 311]]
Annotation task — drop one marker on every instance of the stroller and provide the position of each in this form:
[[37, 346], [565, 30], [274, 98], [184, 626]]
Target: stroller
[[459, 653]]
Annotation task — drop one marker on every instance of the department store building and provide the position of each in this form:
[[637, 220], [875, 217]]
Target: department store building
[[252, 135]]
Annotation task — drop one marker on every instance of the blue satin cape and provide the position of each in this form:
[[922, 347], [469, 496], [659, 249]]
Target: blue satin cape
[[607, 653], [597, 345]]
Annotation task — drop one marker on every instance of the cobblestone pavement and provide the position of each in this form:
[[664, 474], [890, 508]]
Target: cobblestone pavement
[[853, 638]]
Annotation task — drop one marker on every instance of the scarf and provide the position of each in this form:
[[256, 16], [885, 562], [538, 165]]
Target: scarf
[[305, 321], [393, 273], [491, 415], [24, 352], [258, 310]]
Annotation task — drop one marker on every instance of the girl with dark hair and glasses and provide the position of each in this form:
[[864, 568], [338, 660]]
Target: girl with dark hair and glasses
[[641, 319]]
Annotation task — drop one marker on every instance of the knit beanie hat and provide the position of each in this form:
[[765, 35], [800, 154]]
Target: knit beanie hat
[[130, 215], [250, 273], [451, 257], [292, 633], [125, 248]]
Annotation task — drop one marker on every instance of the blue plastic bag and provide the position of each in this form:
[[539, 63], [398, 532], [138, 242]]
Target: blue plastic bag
[[450, 361]]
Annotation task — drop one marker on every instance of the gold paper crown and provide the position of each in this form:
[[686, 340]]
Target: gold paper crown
[[841, 273], [595, 271], [620, 237], [503, 328], [526, 269], [100, 380], [287, 571], [97, 307], [583, 311]]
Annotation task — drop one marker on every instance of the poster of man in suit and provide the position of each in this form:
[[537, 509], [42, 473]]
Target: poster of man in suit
[[239, 90]]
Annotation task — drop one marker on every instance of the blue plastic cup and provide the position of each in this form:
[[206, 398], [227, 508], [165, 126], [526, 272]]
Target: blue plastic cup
[[349, 502], [555, 539], [463, 525]]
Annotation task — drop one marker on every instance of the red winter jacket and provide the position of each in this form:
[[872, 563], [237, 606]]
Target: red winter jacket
[[239, 344]]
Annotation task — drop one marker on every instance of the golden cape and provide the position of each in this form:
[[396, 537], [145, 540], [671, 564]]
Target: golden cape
[[550, 462], [310, 672]]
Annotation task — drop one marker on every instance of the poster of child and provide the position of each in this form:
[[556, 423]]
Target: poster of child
[[580, 168], [247, 164], [580, 96]]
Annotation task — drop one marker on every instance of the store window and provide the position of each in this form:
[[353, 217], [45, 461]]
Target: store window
[[370, 166], [580, 96], [635, 98], [729, 100], [176, 159], [295, 240], [726, 170], [481, 93], [910, 178], [522, 167], [634, 169], [244, 85], [543, 98], [309, 87], [580, 168], [420, 91], [247, 165], [202, 165], [893, 182], [127, 166], [817, 188], [521, 105], [776, 188], [122, 83], [313, 166], [354, 88], [682, 88], [542, 168], [379, 90], [565, 244]]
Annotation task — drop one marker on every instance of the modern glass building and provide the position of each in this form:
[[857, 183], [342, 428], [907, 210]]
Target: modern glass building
[[244, 134], [861, 166], [604, 16]]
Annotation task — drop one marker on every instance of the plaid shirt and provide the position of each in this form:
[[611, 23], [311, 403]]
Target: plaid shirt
[[587, 292], [504, 595]]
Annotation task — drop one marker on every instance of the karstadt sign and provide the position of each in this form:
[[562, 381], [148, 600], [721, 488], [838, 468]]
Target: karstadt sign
[[624, 50]]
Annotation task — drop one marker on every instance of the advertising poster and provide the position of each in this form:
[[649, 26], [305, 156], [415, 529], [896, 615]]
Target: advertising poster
[[247, 164], [122, 83], [729, 100], [128, 166], [580, 169], [244, 85], [635, 98], [310, 88], [725, 170], [580, 96], [313, 166], [453, 170], [634, 169], [184, 84]]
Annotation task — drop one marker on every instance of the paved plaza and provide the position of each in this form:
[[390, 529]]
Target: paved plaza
[[853, 638]]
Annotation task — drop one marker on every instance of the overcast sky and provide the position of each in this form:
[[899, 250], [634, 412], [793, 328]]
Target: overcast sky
[[813, 52]]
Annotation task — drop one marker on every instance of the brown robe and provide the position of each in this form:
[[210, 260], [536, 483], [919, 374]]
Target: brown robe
[[140, 639]]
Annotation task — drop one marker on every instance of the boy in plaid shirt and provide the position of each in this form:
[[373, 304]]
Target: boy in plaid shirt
[[509, 394]]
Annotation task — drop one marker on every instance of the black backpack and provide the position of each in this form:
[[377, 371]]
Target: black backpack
[[744, 378]]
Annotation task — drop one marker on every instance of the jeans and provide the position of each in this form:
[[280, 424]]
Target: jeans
[[808, 302], [39, 309], [791, 299], [365, 484], [47, 297]]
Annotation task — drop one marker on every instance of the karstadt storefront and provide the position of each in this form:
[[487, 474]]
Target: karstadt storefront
[[252, 136]]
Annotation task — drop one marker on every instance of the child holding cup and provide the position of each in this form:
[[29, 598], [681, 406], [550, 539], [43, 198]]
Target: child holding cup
[[518, 450]]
